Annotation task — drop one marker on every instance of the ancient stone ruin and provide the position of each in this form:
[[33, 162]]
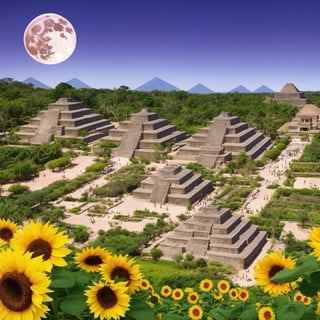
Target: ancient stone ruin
[[222, 140], [306, 119], [214, 233], [143, 136], [173, 184], [290, 94], [65, 118]]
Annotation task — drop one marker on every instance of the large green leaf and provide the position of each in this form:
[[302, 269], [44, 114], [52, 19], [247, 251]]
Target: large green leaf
[[83, 277], [308, 288], [74, 304], [62, 278], [291, 311], [250, 313], [290, 275], [168, 316]]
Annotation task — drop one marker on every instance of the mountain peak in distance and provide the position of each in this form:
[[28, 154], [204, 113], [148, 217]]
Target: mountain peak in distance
[[157, 84], [200, 89], [263, 89], [36, 83], [78, 84], [240, 89]]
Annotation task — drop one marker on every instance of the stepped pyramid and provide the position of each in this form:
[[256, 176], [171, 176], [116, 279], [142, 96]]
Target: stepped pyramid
[[215, 234], [290, 94], [222, 140], [140, 136], [175, 185], [65, 118]]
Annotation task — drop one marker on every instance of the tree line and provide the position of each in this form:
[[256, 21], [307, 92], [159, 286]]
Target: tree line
[[19, 102]]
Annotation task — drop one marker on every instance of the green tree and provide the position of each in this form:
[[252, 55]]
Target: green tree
[[156, 254]]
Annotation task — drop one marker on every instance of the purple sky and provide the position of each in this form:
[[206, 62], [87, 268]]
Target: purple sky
[[220, 43]]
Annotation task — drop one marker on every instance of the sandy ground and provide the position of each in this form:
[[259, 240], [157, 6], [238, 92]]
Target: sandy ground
[[272, 173]]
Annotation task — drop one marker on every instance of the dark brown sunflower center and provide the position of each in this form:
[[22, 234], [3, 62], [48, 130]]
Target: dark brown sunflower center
[[6, 234], [15, 291], [196, 312], [120, 273], [40, 247], [275, 269], [93, 260], [107, 298]]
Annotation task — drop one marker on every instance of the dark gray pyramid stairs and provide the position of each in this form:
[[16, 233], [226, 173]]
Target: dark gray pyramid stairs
[[140, 136], [215, 234], [173, 184], [222, 140], [64, 119]]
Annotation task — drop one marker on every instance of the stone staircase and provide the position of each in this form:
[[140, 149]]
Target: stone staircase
[[154, 132], [45, 130], [129, 141], [64, 119], [222, 140], [173, 184], [215, 234]]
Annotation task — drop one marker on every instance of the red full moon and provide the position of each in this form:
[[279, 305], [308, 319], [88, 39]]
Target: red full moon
[[50, 38]]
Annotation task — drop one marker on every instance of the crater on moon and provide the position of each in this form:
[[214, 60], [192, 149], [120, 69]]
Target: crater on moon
[[50, 38]]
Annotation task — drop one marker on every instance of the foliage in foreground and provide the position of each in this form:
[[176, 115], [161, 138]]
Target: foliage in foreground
[[41, 278]]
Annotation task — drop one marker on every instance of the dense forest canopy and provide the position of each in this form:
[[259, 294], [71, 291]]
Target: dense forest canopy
[[19, 102]]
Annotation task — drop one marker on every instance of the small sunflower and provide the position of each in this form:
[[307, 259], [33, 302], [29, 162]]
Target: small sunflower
[[266, 313], [195, 312], [243, 294], [90, 259], [217, 295], [315, 242], [193, 297], [298, 296], [24, 285], [267, 267], [42, 240], [206, 285], [121, 267], [223, 286], [233, 293], [166, 291], [306, 300], [177, 294], [318, 308], [7, 231], [108, 300], [145, 284]]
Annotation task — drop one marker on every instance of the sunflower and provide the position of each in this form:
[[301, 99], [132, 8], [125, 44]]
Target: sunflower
[[121, 267], [177, 294], [145, 284], [217, 295], [42, 240], [223, 286], [7, 230], [90, 259], [108, 300], [243, 294], [195, 312], [306, 300], [206, 285], [315, 242], [233, 293], [193, 297], [24, 285], [318, 308], [266, 313], [267, 267], [166, 291], [298, 296]]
